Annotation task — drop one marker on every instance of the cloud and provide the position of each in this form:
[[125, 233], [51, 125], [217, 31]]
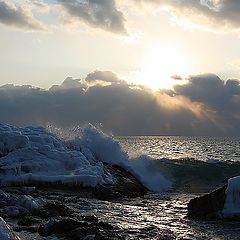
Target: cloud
[[221, 97], [176, 77], [206, 105], [209, 89], [70, 83], [94, 78], [106, 76], [101, 14], [223, 14], [19, 17]]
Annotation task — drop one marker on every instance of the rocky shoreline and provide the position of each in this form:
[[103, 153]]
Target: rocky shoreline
[[57, 210]]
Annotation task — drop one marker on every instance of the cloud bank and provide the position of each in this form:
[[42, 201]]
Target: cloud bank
[[206, 105], [223, 14], [99, 14], [17, 16]]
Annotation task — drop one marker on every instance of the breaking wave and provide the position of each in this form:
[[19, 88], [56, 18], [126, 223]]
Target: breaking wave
[[78, 156], [33, 154]]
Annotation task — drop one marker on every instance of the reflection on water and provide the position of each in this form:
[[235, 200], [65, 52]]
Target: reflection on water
[[155, 216], [160, 216], [175, 147]]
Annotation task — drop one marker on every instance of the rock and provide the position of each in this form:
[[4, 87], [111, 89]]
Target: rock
[[54, 208], [208, 206], [74, 229], [60, 226], [90, 218], [28, 221], [16, 211], [28, 190], [126, 185], [6, 233]]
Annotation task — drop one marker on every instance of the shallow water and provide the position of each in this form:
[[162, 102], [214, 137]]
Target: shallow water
[[156, 216]]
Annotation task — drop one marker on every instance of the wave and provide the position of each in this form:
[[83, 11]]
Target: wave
[[33, 154], [195, 175]]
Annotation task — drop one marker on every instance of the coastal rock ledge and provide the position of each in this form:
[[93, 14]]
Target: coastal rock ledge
[[222, 203]]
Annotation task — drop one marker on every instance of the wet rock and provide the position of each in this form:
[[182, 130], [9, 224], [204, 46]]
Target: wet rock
[[74, 229], [208, 206], [60, 226], [28, 221], [15, 211], [126, 185], [54, 208], [6, 233], [90, 218], [28, 190]]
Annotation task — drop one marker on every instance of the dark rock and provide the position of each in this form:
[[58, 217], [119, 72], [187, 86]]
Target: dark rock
[[28, 221], [94, 232], [54, 208], [28, 190], [207, 206], [74, 229], [106, 226], [90, 218], [31, 229], [60, 226], [126, 185]]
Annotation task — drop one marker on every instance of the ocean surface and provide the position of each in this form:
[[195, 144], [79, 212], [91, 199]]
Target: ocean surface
[[176, 169], [196, 165], [180, 147]]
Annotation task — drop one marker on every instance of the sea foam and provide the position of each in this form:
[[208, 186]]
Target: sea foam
[[33, 154]]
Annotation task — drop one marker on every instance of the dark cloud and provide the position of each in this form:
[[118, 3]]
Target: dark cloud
[[205, 105], [18, 17], [221, 13], [176, 77], [221, 97], [96, 13], [106, 76], [209, 89]]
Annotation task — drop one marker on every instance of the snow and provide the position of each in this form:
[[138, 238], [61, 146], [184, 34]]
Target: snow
[[6, 232], [19, 205], [31, 155], [232, 201]]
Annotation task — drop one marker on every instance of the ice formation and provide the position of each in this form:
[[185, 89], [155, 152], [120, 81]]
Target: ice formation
[[232, 201], [6, 232], [32, 154]]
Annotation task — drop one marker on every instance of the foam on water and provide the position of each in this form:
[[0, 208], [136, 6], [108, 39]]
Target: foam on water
[[33, 154]]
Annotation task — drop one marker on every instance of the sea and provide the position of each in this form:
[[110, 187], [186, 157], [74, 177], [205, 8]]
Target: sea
[[195, 165]]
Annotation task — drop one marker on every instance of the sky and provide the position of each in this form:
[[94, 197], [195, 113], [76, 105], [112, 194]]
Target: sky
[[136, 67]]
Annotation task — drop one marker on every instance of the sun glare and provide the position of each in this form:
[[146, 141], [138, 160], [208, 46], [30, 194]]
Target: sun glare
[[160, 64]]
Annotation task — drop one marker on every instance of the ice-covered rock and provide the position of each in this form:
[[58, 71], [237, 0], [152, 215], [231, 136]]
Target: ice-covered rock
[[15, 204], [6, 232], [232, 201], [221, 203], [34, 156]]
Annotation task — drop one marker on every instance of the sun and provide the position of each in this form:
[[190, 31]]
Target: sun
[[160, 64]]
